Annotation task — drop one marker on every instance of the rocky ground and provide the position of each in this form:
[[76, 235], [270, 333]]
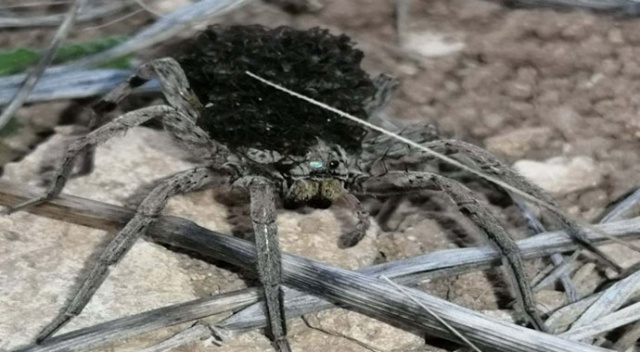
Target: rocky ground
[[553, 93]]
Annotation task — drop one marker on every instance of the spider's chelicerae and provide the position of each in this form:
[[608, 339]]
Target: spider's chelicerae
[[275, 145]]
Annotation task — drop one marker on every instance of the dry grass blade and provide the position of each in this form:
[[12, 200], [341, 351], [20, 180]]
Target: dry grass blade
[[593, 314], [68, 85], [623, 207], [595, 306], [92, 13], [612, 321], [616, 213], [164, 28], [35, 4], [629, 338], [412, 144], [439, 264], [610, 300], [72, 81], [298, 303], [103, 333], [147, 8], [557, 259], [403, 8], [369, 295], [562, 318], [625, 6], [47, 57], [119, 19], [551, 274], [196, 332], [442, 321]]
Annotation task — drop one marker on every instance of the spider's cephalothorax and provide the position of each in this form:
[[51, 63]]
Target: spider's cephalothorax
[[265, 140], [316, 179]]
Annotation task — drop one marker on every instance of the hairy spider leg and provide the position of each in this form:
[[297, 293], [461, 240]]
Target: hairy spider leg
[[179, 95], [173, 81], [397, 182], [489, 164], [386, 211], [557, 259], [101, 135], [477, 157], [269, 265], [385, 85], [179, 119], [146, 214], [419, 133], [171, 77], [354, 236]]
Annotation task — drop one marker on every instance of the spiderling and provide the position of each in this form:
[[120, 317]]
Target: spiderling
[[240, 113]]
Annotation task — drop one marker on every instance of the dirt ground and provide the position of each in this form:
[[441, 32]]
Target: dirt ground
[[527, 83], [538, 87]]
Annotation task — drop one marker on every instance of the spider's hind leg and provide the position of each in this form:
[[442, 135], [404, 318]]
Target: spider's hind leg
[[146, 214], [489, 164], [396, 182]]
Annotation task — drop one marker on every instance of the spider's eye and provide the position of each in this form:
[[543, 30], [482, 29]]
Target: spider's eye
[[333, 164]]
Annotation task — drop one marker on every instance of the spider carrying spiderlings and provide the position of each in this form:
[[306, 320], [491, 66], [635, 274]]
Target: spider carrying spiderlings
[[274, 145]]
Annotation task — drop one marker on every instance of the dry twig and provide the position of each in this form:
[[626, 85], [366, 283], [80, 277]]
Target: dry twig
[[103, 333], [369, 295]]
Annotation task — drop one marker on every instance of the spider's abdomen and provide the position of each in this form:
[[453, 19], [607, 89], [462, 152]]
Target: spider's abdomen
[[242, 112]]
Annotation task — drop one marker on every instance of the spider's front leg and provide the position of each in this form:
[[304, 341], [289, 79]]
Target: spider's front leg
[[354, 236], [269, 265], [179, 118], [178, 93], [146, 214], [403, 182]]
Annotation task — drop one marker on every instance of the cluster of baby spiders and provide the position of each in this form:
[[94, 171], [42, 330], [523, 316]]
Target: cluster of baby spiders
[[273, 144]]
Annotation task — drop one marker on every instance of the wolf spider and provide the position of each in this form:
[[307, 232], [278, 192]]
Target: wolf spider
[[271, 144]]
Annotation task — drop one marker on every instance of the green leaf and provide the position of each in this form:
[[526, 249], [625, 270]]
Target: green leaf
[[21, 58]]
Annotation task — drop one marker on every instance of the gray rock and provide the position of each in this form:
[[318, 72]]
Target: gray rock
[[430, 44], [517, 143], [43, 261], [566, 119], [562, 175], [365, 334]]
